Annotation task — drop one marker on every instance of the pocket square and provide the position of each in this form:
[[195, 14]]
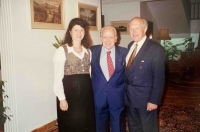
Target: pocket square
[[142, 61]]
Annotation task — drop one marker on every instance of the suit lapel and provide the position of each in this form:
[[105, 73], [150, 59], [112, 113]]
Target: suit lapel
[[98, 55], [97, 60], [117, 58], [138, 57], [141, 52]]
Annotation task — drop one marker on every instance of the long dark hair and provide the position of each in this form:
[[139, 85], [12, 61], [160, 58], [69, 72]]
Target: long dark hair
[[77, 21]]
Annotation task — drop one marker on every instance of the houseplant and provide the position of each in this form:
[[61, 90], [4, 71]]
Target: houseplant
[[3, 115], [172, 52], [58, 44]]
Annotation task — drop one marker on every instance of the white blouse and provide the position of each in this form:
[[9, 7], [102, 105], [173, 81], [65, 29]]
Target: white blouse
[[59, 63]]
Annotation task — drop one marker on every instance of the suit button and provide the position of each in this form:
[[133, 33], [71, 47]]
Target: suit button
[[135, 77]]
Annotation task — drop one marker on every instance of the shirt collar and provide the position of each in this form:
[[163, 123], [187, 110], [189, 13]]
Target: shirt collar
[[71, 49], [141, 41], [105, 50]]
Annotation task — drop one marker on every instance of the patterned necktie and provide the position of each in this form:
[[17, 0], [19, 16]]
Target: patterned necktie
[[131, 57], [110, 64]]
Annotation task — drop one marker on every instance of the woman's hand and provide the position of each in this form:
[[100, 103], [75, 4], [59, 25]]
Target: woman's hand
[[63, 105]]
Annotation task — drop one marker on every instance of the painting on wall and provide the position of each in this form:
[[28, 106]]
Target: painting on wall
[[88, 13], [121, 26], [47, 14]]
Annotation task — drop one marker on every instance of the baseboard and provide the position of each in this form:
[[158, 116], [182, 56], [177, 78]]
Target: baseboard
[[45, 127]]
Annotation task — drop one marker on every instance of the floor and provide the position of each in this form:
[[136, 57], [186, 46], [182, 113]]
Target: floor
[[180, 111]]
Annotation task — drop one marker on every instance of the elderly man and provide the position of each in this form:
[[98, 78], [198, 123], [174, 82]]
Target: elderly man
[[108, 66], [144, 79]]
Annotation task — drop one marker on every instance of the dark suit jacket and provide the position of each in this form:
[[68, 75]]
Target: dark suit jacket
[[145, 77], [111, 91]]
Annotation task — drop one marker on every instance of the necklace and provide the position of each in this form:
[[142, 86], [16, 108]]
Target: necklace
[[77, 51]]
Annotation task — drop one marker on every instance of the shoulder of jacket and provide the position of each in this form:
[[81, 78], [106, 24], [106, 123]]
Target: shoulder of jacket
[[122, 48], [95, 46]]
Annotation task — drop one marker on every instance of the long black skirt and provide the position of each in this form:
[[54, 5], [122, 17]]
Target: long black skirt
[[80, 115]]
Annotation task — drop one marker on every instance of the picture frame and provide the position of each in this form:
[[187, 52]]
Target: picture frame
[[121, 26], [47, 14], [90, 14]]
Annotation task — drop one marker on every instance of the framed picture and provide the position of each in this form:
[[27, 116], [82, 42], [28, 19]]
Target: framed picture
[[47, 14], [121, 26], [88, 13]]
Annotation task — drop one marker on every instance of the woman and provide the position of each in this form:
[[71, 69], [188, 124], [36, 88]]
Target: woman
[[72, 83]]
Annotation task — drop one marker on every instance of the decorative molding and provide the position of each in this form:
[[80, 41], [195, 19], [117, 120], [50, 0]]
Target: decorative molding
[[7, 64]]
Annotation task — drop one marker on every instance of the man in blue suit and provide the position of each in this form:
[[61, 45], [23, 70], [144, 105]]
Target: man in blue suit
[[108, 84], [144, 79]]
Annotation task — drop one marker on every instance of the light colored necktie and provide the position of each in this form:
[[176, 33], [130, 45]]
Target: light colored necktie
[[132, 57], [110, 64]]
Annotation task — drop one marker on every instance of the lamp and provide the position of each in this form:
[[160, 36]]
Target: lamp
[[164, 35]]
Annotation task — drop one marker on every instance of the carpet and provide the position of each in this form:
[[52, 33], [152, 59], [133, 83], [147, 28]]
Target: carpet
[[179, 118], [180, 111]]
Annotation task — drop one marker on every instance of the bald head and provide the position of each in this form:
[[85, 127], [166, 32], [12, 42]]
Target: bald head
[[108, 37], [110, 28], [143, 22]]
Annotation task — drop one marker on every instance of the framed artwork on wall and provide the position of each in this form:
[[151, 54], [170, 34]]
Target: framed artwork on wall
[[121, 26], [89, 13], [46, 14]]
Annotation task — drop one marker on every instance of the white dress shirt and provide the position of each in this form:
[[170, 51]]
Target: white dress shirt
[[103, 61], [59, 63], [138, 48]]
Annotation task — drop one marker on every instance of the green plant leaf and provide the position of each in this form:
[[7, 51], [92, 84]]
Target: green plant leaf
[[58, 44], [3, 109]]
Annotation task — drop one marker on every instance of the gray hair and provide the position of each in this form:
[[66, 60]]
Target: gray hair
[[111, 27]]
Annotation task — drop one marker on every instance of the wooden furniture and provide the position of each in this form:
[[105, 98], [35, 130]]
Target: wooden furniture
[[186, 61]]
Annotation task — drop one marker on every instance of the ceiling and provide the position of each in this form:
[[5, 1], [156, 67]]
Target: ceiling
[[168, 14]]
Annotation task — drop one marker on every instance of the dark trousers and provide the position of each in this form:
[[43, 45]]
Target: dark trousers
[[106, 117], [141, 120]]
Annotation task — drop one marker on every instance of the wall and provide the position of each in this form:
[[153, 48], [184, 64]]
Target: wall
[[195, 31], [27, 63], [128, 11], [146, 13], [119, 12], [131, 9]]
